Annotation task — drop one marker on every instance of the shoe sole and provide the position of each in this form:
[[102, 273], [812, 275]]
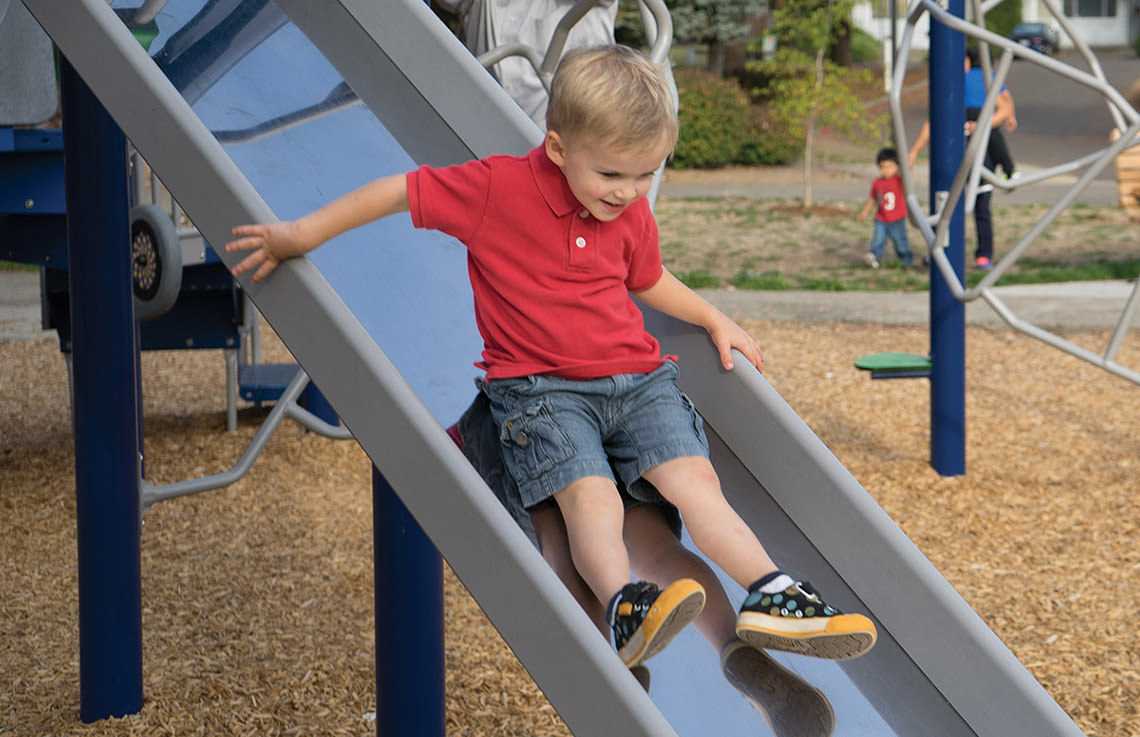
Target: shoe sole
[[842, 637], [676, 606]]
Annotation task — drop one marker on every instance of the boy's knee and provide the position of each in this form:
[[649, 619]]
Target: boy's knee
[[591, 495], [679, 474]]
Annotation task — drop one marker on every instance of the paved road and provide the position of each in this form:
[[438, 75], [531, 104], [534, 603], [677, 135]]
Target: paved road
[[1058, 119]]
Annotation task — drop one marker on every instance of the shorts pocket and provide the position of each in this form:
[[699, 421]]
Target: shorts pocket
[[533, 442], [698, 421]]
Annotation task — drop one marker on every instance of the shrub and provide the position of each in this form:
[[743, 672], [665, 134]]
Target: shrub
[[771, 142], [864, 47], [1004, 17], [714, 120]]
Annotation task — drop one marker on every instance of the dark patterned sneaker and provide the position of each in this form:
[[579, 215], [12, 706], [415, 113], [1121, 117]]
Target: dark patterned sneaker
[[791, 706], [645, 618], [796, 620]]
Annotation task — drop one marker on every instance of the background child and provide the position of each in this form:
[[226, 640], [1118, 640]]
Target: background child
[[889, 202], [558, 242]]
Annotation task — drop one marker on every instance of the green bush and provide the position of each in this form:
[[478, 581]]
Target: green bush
[[864, 47], [770, 142], [714, 120], [1004, 17], [719, 126]]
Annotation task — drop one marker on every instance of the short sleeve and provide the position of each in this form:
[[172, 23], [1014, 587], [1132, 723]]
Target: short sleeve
[[451, 199], [645, 266]]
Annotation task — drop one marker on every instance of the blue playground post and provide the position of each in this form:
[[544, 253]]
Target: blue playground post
[[947, 314], [104, 347], [408, 583]]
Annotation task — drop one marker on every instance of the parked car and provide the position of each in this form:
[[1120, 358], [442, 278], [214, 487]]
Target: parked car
[[1037, 35]]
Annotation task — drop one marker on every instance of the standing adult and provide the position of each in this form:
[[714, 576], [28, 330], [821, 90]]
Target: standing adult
[[1003, 116]]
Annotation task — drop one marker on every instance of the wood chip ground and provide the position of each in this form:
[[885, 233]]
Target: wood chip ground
[[257, 599]]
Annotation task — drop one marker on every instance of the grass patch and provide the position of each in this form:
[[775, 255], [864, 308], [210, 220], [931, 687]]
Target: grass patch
[[770, 245], [16, 266]]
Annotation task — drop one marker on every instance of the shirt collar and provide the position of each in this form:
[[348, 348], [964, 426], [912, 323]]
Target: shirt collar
[[552, 184]]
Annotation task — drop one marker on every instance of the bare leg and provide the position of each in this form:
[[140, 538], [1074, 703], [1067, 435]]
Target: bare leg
[[594, 514], [692, 485], [555, 546]]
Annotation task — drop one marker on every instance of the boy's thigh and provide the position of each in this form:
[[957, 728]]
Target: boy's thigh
[[655, 423], [879, 233], [897, 231]]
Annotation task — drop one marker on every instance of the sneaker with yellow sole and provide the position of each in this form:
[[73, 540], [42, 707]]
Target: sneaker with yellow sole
[[645, 618], [797, 620]]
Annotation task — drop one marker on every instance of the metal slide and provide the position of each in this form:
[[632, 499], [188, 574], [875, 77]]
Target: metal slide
[[381, 320]]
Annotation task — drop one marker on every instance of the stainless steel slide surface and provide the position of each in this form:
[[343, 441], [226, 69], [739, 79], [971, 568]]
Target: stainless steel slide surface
[[248, 112]]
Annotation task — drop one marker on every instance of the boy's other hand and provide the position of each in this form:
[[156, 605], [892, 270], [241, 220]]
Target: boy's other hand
[[271, 244], [727, 335]]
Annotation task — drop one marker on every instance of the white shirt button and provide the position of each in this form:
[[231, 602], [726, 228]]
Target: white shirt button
[[581, 242], [584, 214]]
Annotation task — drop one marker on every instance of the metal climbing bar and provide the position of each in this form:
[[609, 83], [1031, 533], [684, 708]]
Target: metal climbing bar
[[971, 172]]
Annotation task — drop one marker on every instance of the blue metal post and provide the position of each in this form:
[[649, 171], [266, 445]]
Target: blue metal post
[[105, 409], [409, 621], [947, 314]]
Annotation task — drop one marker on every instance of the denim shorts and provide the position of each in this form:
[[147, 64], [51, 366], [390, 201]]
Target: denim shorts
[[554, 431], [479, 440]]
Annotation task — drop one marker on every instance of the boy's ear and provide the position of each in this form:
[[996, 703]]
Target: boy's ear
[[555, 148]]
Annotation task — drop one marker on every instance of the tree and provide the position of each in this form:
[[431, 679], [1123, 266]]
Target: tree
[[1002, 18], [804, 87], [714, 23]]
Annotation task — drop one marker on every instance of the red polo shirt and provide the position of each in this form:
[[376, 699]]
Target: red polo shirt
[[551, 283]]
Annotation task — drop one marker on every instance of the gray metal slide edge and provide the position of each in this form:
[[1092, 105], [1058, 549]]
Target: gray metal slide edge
[[939, 631], [588, 686]]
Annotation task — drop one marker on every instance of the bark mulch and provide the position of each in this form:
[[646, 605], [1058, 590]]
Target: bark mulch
[[257, 599]]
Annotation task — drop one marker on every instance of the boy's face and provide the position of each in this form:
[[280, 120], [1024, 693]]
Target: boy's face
[[605, 179], [888, 169]]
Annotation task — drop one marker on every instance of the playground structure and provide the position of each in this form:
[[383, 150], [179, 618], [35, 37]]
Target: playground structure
[[748, 467], [955, 178], [970, 172]]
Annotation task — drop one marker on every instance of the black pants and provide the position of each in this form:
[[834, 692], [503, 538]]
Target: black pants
[[984, 225], [997, 152]]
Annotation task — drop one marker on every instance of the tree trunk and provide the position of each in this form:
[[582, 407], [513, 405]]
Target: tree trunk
[[808, 146], [809, 139], [717, 56], [841, 51]]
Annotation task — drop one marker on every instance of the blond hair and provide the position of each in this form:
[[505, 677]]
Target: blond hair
[[612, 95]]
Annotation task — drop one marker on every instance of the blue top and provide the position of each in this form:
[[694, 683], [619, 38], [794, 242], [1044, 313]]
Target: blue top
[[976, 87]]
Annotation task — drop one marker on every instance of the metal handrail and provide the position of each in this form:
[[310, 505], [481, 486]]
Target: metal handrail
[[285, 407], [654, 15]]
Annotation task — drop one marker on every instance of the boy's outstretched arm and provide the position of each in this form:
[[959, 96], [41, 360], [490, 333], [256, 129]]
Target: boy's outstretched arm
[[673, 298], [273, 243]]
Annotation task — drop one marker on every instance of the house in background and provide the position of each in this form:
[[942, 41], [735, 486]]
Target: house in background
[[1101, 23]]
